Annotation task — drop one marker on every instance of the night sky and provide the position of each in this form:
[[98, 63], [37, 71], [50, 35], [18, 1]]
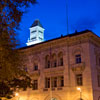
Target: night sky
[[82, 14]]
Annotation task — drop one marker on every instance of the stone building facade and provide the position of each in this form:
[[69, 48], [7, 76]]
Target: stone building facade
[[65, 68]]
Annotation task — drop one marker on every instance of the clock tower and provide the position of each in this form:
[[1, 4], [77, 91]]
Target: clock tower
[[36, 33]]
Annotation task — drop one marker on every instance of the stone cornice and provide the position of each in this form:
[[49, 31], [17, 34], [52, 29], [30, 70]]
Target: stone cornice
[[64, 41]]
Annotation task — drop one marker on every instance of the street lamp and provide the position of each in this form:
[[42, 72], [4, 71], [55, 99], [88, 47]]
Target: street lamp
[[79, 89], [16, 94]]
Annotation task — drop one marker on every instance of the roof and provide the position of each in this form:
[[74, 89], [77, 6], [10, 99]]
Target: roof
[[69, 35], [36, 23]]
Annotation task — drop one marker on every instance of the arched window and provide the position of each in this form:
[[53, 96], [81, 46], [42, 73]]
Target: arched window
[[54, 60], [47, 61], [60, 59]]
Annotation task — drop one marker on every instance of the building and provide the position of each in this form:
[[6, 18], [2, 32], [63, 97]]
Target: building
[[65, 68]]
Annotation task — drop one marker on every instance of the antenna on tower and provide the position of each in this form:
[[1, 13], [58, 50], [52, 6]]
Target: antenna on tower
[[67, 19]]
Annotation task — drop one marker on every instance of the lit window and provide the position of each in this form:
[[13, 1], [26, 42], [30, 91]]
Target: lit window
[[78, 58], [98, 78], [47, 82], [35, 84], [79, 79]]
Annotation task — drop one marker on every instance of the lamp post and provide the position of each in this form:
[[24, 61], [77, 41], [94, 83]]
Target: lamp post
[[17, 95], [79, 89]]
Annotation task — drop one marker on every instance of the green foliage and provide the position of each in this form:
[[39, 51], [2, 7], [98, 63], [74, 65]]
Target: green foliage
[[12, 75]]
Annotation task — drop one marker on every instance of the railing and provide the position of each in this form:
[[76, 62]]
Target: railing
[[78, 66]]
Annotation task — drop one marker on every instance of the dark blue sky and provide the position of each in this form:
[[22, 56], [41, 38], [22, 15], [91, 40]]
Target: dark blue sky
[[82, 14]]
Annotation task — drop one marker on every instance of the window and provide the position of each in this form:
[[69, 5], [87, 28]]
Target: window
[[40, 31], [40, 38], [47, 62], [47, 82], [35, 84], [78, 58], [61, 81], [98, 79], [34, 38], [54, 81], [60, 59], [54, 61], [33, 31], [35, 67], [79, 79]]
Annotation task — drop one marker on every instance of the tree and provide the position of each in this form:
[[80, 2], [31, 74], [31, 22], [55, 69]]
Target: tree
[[11, 69]]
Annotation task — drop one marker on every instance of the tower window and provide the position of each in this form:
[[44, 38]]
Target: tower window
[[40, 38], [78, 58], [33, 31], [40, 31], [79, 79], [34, 38]]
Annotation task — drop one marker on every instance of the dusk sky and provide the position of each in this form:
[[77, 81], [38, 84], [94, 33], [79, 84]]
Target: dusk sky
[[82, 14]]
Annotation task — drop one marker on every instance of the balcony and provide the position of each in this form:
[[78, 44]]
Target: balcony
[[78, 67], [53, 89], [54, 70], [35, 73]]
